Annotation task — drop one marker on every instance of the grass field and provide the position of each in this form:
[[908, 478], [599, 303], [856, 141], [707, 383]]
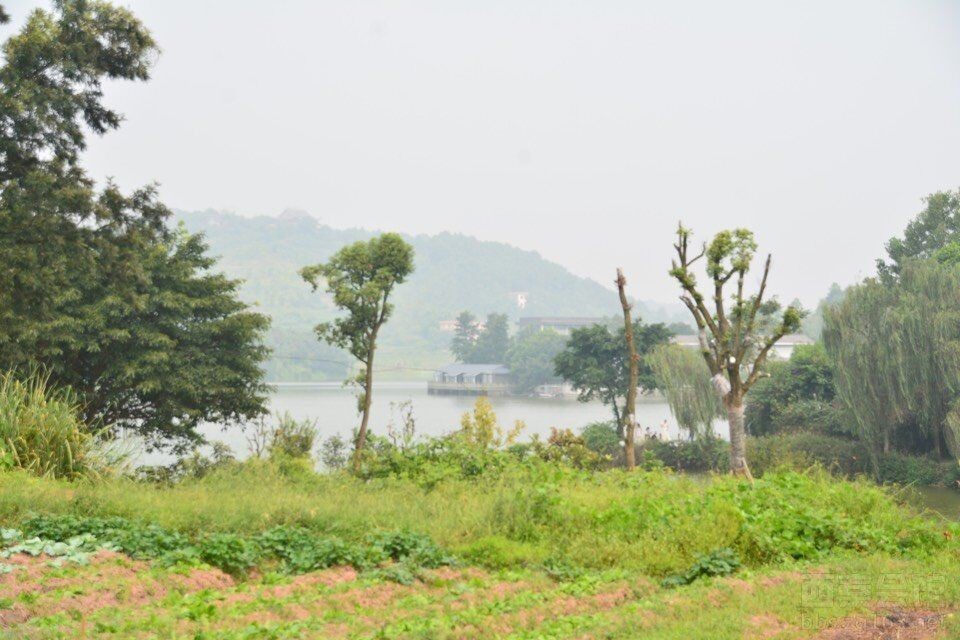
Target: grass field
[[261, 550]]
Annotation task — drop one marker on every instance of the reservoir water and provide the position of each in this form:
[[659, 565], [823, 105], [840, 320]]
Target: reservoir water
[[334, 408]]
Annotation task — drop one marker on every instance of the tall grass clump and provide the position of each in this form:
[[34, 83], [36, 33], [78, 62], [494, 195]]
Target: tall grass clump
[[41, 431]]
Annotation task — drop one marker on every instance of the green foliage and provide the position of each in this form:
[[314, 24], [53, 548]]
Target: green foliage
[[410, 547], [602, 439], [464, 336], [492, 343], [800, 516], [528, 514], [51, 82], [702, 454], [796, 395], [500, 552], [361, 278], [595, 362], [294, 549], [896, 347], [933, 229], [566, 448], [684, 378], [721, 562], [801, 450], [918, 470], [230, 552], [480, 429], [293, 438], [41, 431], [95, 287], [531, 358]]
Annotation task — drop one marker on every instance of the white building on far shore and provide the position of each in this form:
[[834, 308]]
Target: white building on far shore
[[781, 349]]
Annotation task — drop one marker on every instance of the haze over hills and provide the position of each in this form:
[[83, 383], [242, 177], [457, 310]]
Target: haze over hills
[[453, 273]]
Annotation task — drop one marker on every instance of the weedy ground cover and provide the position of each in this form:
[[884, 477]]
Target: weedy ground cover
[[533, 550]]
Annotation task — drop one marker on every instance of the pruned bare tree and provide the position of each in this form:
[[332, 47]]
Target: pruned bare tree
[[629, 415], [734, 341]]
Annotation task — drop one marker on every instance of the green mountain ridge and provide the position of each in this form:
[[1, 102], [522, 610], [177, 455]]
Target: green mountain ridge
[[453, 272]]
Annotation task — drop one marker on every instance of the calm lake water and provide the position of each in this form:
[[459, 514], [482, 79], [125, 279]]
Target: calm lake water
[[334, 408]]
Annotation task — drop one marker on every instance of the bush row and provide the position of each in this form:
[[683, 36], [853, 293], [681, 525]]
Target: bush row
[[287, 549], [800, 450]]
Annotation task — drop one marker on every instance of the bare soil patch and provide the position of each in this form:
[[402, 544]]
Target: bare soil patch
[[891, 624]]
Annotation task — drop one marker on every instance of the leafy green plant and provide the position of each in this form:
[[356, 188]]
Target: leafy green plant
[[721, 562], [234, 554], [411, 547]]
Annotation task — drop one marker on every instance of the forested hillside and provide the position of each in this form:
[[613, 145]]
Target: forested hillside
[[453, 273]]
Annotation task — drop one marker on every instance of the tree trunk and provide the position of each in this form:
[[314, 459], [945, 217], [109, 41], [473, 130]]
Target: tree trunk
[[367, 397], [886, 441], [738, 436], [630, 411]]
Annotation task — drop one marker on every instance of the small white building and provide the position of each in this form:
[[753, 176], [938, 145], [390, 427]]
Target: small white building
[[471, 379], [782, 348]]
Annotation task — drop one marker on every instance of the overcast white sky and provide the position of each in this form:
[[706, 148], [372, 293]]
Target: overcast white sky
[[583, 130]]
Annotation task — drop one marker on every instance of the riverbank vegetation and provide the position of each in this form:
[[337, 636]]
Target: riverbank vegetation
[[468, 528]]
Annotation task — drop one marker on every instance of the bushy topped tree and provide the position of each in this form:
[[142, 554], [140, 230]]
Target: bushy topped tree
[[734, 340], [361, 278], [933, 229], [596, 362], [94, 285]]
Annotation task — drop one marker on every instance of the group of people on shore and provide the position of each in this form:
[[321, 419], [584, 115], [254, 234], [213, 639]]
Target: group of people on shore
[[663, 433]]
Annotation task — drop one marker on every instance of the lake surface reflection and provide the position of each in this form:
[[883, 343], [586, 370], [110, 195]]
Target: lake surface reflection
[[335, 410]]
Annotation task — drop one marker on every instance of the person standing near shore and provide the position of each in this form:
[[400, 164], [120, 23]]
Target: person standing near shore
[[665, 431]]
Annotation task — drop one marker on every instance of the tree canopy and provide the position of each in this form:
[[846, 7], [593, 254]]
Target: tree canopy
[[531, 358], [361, 278], [935, 227], [897, 352], [594, 361], [51, 82], [94, 285]]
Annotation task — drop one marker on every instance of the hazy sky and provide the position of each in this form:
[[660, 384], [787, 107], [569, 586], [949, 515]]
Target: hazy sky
[[583, 130]]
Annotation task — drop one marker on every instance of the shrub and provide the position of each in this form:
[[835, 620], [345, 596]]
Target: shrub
[[602, 439], [284, 437], [721, 562], [919, 470], [801, 450], [41, 431], [230, 552], [293, 438], [411, 547], [195, 465], [563, 447], [703, 454]]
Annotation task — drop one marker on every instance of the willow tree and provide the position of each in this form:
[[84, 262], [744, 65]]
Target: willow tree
[[860, 340], [683, 377], [896, 345], [736, 339]]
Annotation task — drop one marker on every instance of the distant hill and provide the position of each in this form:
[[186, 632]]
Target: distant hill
[[453, 273]]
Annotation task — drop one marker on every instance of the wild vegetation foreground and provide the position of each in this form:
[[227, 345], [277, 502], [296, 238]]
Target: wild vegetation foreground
[[269, 549]]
